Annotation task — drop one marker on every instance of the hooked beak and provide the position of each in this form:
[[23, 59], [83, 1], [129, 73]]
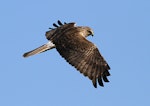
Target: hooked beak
[[92, 33]]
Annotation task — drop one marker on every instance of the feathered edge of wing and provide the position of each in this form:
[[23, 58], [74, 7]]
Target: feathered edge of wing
[[91, 64], [50, 35], [101, 68]]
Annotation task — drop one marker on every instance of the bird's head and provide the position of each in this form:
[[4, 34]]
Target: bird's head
[[90, 31], [87, 31]]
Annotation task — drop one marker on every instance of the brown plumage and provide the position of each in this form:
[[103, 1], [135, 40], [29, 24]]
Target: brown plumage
[[70, 41]]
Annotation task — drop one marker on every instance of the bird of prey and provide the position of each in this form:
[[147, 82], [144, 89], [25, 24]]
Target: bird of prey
[[71, 43]]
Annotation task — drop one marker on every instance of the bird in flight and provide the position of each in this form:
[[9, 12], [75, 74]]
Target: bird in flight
[[71, 43]]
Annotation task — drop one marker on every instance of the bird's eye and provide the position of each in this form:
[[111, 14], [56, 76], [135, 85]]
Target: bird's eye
[[89, 32]]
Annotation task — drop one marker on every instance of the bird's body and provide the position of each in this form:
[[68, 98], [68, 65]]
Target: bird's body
[[71, 43]]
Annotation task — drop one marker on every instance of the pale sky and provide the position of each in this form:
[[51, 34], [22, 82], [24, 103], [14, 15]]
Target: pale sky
[[121, 33]]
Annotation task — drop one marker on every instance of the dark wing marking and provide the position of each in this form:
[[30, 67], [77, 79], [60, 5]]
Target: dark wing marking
[[55, 25], [59, 22], [84, 56], [51, 34]]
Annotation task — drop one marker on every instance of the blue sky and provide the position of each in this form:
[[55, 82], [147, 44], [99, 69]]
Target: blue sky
[[121, 32]]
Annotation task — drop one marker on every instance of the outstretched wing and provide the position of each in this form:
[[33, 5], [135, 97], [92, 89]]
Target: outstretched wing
[[84, 56]]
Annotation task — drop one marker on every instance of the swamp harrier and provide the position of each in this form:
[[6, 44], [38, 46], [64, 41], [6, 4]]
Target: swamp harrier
[[71, 43]]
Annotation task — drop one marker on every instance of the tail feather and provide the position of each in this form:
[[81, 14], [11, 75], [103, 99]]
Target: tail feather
[[40, 49]]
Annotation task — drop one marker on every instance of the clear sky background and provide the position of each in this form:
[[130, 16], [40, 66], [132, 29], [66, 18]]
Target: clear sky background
[[121, 32]]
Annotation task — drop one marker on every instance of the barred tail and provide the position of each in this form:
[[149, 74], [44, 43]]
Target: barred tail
[[40, 49]]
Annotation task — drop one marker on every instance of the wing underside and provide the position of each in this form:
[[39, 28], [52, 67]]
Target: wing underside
[[85, 57]]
